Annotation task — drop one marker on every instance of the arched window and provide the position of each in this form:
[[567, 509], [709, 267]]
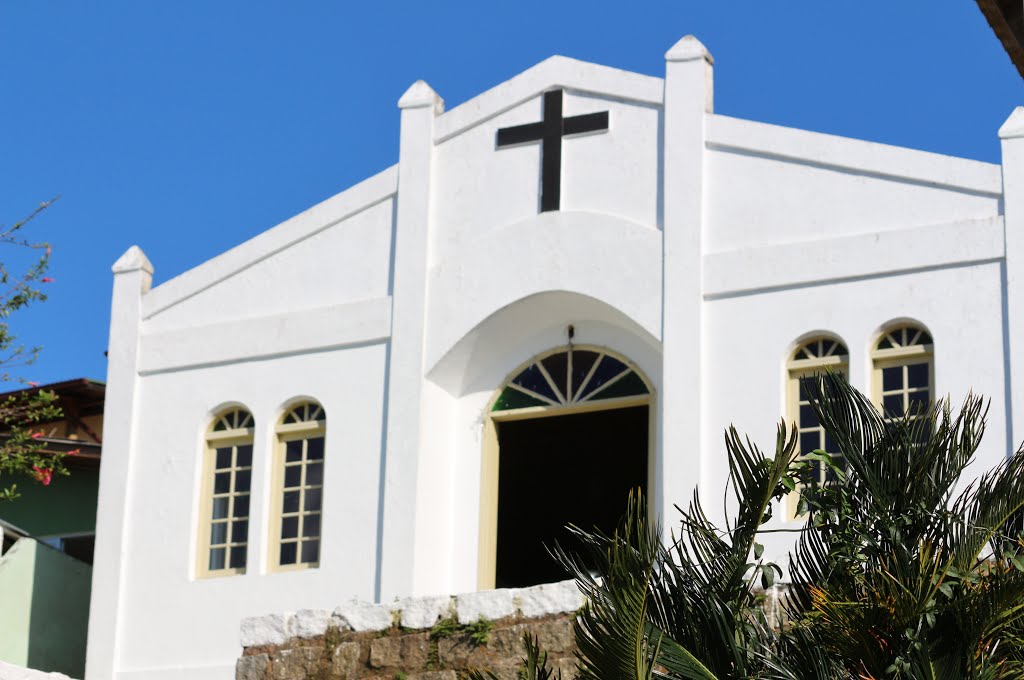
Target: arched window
[[904, 371], [299, 479], [570, 377], [227, 477], [811, 358]]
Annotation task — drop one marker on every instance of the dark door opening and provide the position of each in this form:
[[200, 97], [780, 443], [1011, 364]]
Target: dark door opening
[[558, 470]]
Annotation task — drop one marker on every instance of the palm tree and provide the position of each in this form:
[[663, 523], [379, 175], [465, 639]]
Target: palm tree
[[901, 569]]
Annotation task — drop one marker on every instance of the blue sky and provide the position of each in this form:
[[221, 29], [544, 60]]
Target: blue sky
[[188, 127]]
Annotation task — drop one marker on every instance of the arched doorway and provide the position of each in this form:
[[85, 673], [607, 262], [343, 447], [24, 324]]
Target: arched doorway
[[568, 435]]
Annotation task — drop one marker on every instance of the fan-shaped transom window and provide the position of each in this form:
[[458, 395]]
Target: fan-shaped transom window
[[570, 376], [301, 434], [238, 419], [227, 479], [819, 352], [903, 370], [809, 359], [304, 413]]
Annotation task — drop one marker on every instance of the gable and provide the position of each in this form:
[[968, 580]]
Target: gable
[[478, 186], [338, 251]]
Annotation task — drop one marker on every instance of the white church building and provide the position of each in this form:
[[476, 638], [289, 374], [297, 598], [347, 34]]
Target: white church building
[[566, 287]]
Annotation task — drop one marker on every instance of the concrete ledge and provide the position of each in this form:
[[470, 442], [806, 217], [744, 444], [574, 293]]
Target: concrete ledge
[[414, 613], [769, 268], [308, 330]]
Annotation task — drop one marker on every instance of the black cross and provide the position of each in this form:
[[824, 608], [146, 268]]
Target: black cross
[[550, 132]]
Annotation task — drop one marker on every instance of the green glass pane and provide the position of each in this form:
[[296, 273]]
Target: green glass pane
[[627, 386], [512, 398]]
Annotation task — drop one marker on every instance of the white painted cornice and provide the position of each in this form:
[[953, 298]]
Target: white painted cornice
[[553, 72], [845, 154], [844, 258]]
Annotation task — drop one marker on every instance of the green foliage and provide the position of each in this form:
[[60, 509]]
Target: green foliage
[[479, 631], [476, 633], [21, 414], [900, 570], [445, 628]]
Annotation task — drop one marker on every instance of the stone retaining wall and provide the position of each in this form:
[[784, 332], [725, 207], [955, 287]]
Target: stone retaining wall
[[426, 638], [431, 638]]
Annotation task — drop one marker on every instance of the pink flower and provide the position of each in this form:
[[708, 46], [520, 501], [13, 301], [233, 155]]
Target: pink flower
[[46, 279], [73, 452], [37, 435], [43, 475], [33, 384]]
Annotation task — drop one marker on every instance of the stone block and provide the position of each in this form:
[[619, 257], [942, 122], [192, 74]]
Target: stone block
[[310, 623], [423, 612], [345, 661], [555, 636], [273, 629], [363, 616], [415, 651], [385, 652], [255, 667], [459, 653], [300, 663], [434, 675], [549, 598], [488, 604], [507, 670], [568, 668], [507, 642]]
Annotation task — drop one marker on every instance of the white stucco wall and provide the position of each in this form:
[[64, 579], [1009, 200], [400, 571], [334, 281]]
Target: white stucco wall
[[699, 246], [348, 385]]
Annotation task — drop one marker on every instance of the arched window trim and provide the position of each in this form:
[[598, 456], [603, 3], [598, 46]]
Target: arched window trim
[[811, 356], [309, 421], [577, 395], [238, 431], [908, 343], [817, 352]]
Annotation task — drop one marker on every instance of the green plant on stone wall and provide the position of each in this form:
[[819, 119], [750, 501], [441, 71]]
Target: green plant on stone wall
[[445, 628], [479, 631]]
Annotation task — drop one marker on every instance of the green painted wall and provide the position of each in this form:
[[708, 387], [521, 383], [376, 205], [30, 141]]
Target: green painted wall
[[66, 506], [44, 608], [16, 572]]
